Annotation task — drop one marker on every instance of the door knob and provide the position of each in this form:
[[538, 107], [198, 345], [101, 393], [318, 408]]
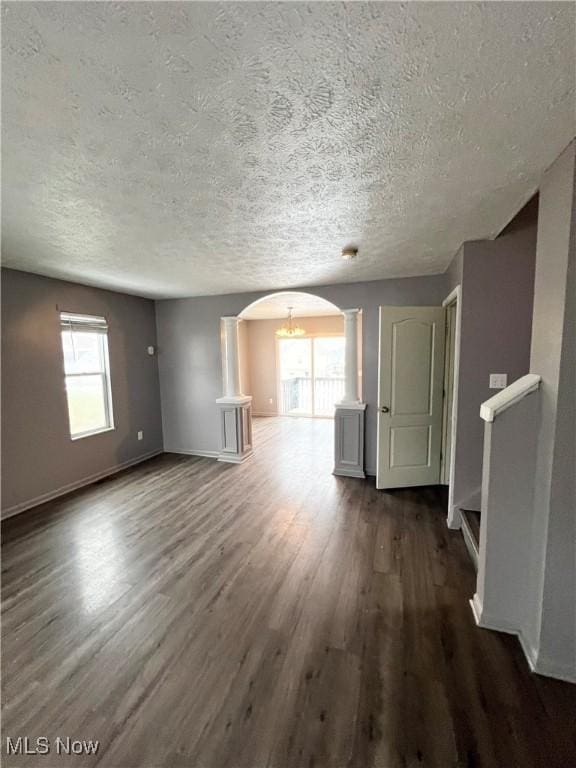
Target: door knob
[[384, 409]]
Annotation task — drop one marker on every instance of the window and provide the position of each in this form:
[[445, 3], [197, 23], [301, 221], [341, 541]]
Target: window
[[87, 371]]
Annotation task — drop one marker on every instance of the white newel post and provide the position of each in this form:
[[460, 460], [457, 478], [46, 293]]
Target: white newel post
[[235, 408], [349, 414]]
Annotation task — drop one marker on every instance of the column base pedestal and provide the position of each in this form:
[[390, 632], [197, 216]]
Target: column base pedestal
[[228, 459], [349, 439], [235, 416]]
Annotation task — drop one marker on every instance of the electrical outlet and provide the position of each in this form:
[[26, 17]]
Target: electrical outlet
[[270, 400], [498, 380], [140, 435]]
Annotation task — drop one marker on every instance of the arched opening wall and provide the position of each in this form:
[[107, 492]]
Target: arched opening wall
[[190, 358], [236, 405], [265, 358]]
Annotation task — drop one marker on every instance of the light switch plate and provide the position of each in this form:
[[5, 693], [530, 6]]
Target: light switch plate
[[140, 435], [498, 380]]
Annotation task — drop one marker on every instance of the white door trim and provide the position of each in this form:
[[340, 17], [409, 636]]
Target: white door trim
[[455, 296]]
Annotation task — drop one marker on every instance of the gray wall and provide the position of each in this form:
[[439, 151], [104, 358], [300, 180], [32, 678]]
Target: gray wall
[[456, 268], [189, 353], [551, 630], [510, 445], [39, 457], [497, 279]]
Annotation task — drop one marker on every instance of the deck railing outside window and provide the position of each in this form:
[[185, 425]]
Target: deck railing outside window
[[297, 395]]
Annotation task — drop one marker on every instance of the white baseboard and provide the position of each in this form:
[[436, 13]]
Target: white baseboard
[[490, 622], [349, 473], [454, 520], [476, 606], [202, 454], [227, 458], [264, 413], [469, 540], [65, 489], [537, 664]]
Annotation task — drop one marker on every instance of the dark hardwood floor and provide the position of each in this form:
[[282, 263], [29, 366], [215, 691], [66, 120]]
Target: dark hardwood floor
[[191, 613]]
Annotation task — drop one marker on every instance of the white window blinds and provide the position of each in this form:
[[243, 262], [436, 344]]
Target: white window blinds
[[72, 322]]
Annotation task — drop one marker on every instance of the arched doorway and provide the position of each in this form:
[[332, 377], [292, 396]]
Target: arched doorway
[[292, 353], [262, 306]]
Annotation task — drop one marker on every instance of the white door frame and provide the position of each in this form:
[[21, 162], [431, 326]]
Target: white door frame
[[448, 392], [455, 296]]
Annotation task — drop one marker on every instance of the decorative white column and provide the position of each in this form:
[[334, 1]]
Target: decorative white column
[[351, 355], [235, 408], [349, 414], [230, 356]]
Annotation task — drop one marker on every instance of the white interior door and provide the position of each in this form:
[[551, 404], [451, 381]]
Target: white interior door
[[411, 371]]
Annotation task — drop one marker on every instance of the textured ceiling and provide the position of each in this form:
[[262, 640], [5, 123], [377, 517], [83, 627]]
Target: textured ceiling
[[174, 149], [276, 305]]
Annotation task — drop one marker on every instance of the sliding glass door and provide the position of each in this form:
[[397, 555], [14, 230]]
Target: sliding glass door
[[328, 358], [296, 377], [311, 375]]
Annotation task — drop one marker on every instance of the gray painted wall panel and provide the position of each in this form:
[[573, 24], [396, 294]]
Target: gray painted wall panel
[[39, 457], [189, 353], [497, 279], [552, 631], [510, 446]]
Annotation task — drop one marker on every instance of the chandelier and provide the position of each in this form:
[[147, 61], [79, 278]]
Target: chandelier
[[289, 330]]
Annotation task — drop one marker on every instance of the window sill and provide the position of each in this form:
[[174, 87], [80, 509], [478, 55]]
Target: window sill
[[82, 435]]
